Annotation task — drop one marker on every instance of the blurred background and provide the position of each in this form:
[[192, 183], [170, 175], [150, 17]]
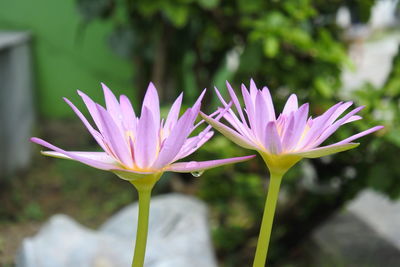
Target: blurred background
[[324, 51]]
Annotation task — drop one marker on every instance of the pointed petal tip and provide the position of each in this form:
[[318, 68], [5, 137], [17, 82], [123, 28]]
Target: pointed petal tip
[[82, 94], [66, 100], [151, 86], [34, 139], [202, 94], [38, 141], [105, 87], [252, 83]]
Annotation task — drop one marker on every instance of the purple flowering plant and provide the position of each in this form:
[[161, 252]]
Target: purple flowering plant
[[281, 140], [140, 149]]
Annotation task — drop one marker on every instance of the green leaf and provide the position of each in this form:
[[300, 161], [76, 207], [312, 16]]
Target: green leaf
[[178, 15], [271, 46], [208, 4]]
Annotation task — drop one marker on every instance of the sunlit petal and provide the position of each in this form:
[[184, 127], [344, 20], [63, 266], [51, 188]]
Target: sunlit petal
[[93, 162], [173, 114], [228, 132], [151, 101], [128, 113], [146, 142], [114, 137], [112, 104], [291, 104], [284, 140], [194, 166], [175, 140]]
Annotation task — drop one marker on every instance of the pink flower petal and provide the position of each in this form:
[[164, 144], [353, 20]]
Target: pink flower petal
[[98, 156], [342, 108], [152, 103], [300, 121], [253, 90], [291, 105], [92, 160], [331, 129], [236, 103], [96, 135], [249, 106], [230, 116], [272, 140], [228, 132], [91, 107], [112, 104], [173, 114], [289, 132], [197, 104], [242, 128], [194, 166], [317, 127], [269, 103], [146, 142], [260, 117], [175, 140], [356, 136], [128, 114], [115, 139], [192, 144], [353, 118]]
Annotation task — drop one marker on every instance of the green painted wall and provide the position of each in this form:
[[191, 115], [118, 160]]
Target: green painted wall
[[62, 61]]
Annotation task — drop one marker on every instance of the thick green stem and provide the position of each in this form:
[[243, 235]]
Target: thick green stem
[[267, 220], [142, 227]]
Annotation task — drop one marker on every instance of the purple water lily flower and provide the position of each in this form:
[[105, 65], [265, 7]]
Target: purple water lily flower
[[133, 146], [281, 140], [284, 139]]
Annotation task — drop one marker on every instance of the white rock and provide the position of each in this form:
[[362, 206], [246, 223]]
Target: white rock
[[380, 213], [178, 237]]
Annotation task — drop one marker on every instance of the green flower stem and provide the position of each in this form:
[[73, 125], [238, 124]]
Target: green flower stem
[[267, 220], [142, 227]]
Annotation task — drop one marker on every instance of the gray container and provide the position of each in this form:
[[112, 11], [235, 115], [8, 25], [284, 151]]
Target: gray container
[[16, 103]]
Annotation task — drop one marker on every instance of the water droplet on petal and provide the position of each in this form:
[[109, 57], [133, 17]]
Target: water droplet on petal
[[197, 173]]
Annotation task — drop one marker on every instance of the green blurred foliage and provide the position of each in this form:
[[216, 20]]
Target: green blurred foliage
[[65, 55], [384, 104], [184, 44], [291, 46]]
